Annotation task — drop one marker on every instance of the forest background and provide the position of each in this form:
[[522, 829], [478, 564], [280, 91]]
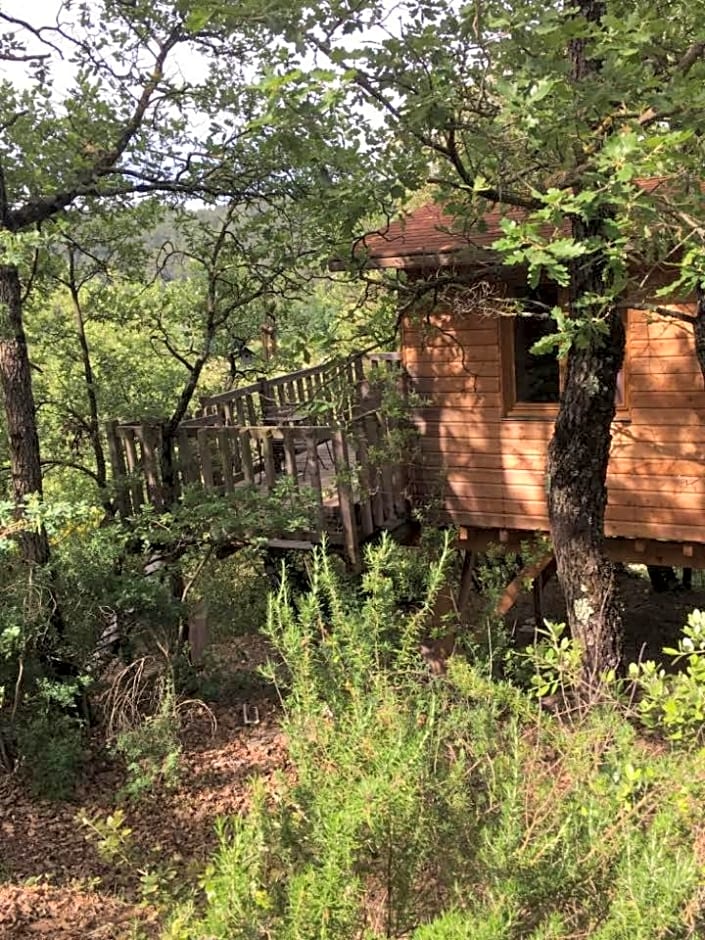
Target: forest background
[[154, 214]]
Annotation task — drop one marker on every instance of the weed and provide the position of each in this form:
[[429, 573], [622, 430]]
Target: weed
[[151, 749], [113, 840]]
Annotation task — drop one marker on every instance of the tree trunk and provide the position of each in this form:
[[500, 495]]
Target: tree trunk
[[577, 492], [579, 450], [699, 329], [20, 412], [91, 396]]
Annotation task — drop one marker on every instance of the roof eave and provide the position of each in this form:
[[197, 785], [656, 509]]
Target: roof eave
[[417, 261]]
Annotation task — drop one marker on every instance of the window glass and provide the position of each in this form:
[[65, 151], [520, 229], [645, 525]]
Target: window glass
[[537, 378]]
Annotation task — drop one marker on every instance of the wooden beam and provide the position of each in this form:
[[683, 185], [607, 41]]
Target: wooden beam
[[634, 551], [517, 585], [466, 576], [656, 552]]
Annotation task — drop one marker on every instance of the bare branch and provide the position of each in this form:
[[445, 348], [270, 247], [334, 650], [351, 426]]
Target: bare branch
[[71, 465], [35, 31], [661, 311]]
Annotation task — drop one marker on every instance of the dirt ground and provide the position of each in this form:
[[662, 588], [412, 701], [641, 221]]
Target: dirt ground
[[53, 883], [651, 620]]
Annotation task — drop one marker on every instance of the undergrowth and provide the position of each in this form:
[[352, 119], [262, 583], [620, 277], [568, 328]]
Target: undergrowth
[[445, 809]]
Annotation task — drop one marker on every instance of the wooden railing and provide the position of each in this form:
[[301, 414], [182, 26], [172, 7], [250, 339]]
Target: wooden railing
[[323, 391], [271, 431]]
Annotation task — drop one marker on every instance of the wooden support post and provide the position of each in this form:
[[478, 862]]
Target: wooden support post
[[363, 472], [234, 439], [187, 465], [270, 470], [387, 474], [204, 450], [266, 400], [117, 463], [290, 454], [514, 589], [466, 580], [251, 413], [311, 440], [226, 459], [248, 469], [146, 437], [687, 572], [345, 497], [371, 426], [537, 587], [133, 467], [537, 594]]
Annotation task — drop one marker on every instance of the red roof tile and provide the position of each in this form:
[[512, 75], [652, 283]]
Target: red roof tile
[[429, 237]]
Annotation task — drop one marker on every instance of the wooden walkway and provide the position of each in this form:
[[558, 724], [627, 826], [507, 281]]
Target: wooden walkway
[[321, 428]]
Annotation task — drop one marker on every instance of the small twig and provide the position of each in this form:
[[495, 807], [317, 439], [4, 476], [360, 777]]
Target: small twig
[[192, 580], [18, 688]]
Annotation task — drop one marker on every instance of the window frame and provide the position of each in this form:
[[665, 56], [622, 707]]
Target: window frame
[[544, 411]]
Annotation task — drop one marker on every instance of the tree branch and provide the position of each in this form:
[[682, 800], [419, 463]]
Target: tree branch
[[34, 31], [661, 311], [38, 210]]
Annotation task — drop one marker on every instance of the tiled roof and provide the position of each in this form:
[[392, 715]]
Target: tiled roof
[[429, 237]]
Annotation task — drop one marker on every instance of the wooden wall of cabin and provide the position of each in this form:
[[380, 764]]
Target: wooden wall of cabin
[[487, 469]]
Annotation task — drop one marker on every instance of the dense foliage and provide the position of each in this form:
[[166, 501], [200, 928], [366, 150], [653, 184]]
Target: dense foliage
[[451, 808], [174, 177]]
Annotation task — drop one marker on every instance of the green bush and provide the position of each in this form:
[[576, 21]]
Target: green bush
[[673, 703], [52, 749], [432, 809]]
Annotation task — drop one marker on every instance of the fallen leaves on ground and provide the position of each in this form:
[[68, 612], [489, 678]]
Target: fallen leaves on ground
[[53, 882]]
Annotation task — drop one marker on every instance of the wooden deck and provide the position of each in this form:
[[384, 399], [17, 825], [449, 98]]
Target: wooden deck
[[321, 428]]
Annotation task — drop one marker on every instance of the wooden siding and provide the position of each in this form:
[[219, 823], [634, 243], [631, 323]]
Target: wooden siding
[[488, 470]]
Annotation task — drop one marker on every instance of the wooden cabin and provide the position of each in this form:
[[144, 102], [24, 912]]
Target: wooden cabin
[[488, 404]]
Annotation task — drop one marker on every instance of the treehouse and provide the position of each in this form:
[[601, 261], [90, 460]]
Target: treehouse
[[487, 404]]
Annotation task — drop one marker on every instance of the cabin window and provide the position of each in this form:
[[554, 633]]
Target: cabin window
[[532, 383], [536, 377]]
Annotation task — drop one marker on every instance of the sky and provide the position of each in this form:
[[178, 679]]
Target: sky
[[38, 13]]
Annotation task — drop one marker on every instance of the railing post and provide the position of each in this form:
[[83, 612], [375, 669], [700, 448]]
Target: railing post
[[150, 462], [345, 497], [133, 467], [265, 399], [117, 463]]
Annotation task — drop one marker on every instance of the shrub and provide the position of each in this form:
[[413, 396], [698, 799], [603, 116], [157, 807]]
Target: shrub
[[52, 749], [150, 745], [674, 703], [433, 809]]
